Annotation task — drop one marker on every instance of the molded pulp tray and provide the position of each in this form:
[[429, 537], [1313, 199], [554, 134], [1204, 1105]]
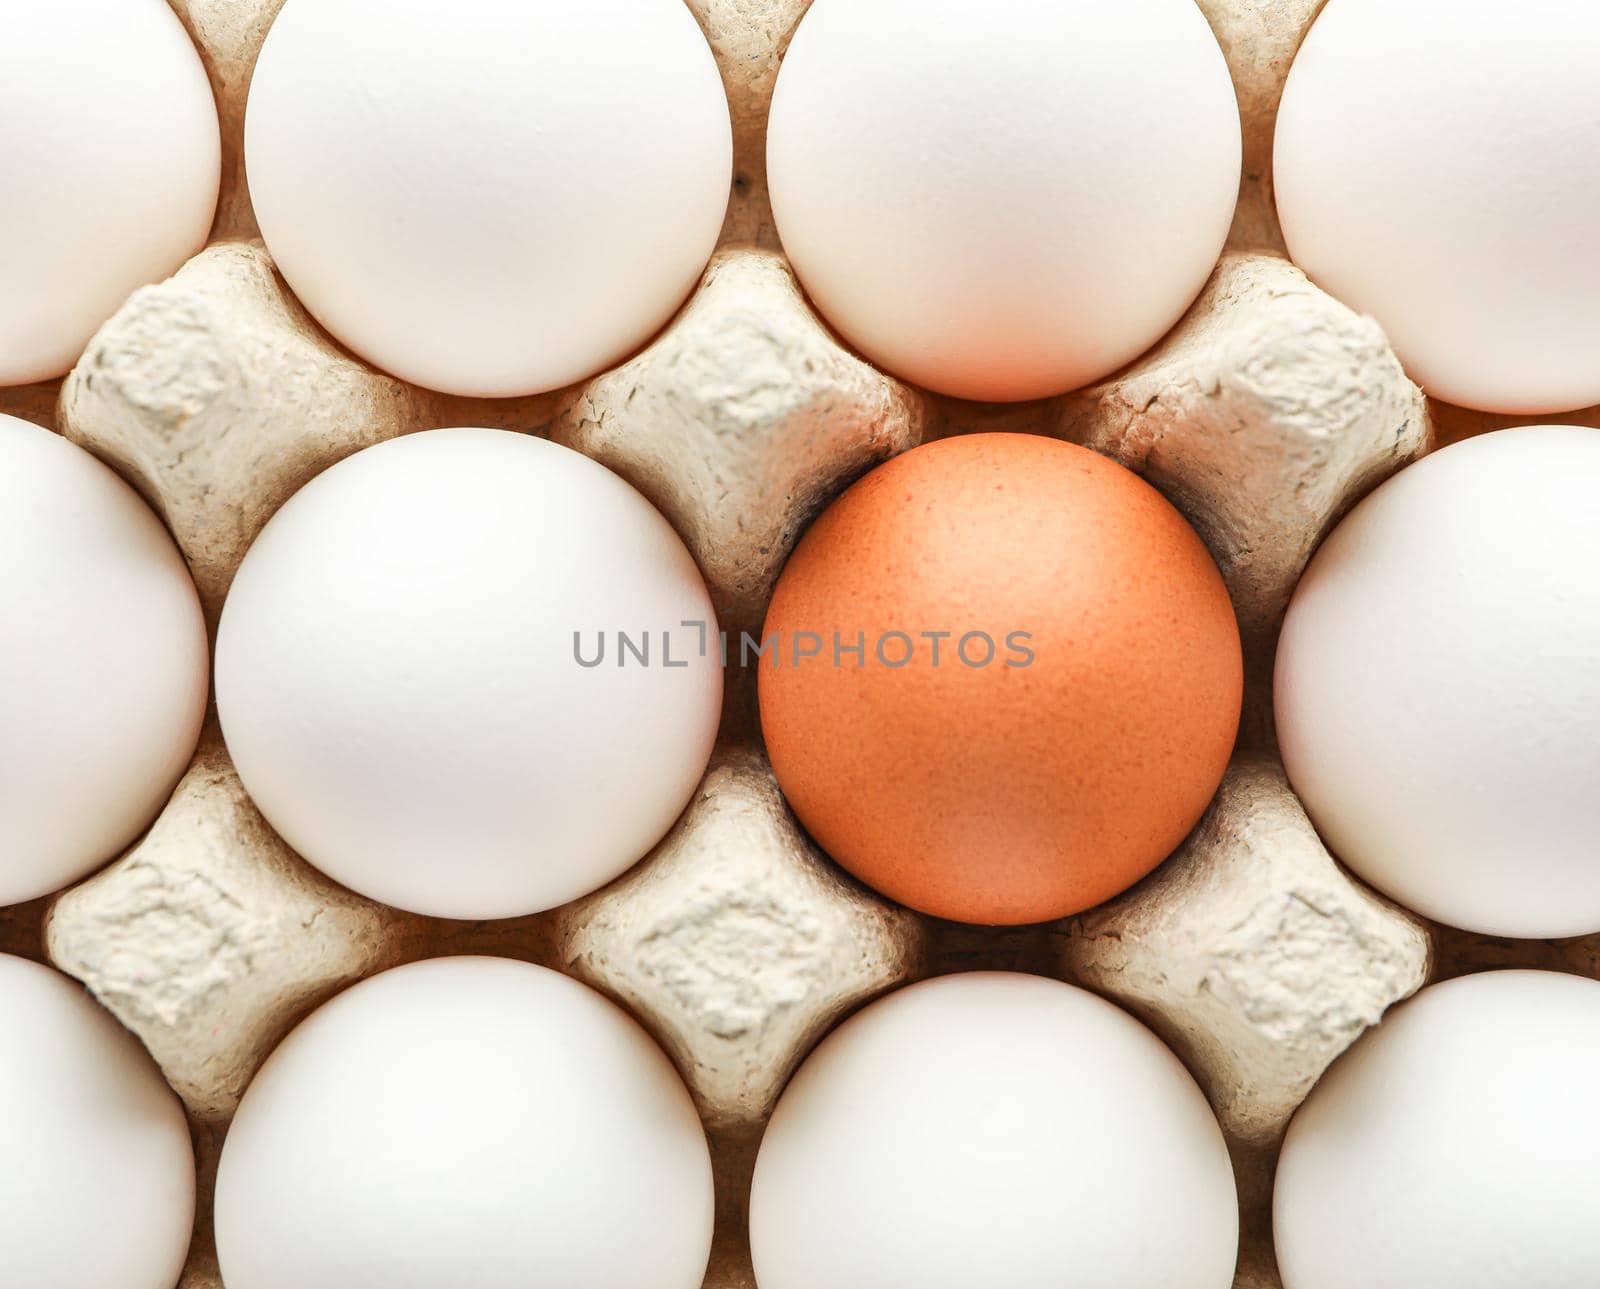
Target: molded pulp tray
[[1263, 416]]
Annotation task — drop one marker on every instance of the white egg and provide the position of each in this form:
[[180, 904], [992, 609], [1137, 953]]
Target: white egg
[[465, 1121], [404, 678], [993, 1129], [498, 199], [98, 1184], [1454, 1146], [103, 663], [1436, 167], [110, 156], [1437, 688], [1004, 200]]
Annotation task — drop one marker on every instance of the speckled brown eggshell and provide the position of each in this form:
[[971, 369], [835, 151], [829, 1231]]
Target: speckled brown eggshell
[[1002, 794]]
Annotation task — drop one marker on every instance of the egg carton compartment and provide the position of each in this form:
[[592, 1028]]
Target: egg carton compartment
[[1263, 416]]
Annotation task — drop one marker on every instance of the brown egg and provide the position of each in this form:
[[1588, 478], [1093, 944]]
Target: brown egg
[[1040, 773]]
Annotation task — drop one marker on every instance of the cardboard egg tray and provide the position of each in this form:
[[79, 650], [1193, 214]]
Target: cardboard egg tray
[[1262, 416]]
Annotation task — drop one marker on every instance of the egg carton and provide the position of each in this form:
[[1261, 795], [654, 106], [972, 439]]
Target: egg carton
[[1263, 416]]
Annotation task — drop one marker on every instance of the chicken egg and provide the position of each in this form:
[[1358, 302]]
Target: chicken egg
[[1003, 200], [1435, 167], [423, 682], [500, 198], [1002, 678], [465, 1121], [110, 158], [98, 1186], [104, 668], [992, 1129], [1454, 1146], [1437, 687]]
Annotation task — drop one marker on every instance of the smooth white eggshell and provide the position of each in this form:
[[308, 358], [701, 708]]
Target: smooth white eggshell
[[103, 663], [1437, 688], [1003, 200], [993, 1129], [110, 157], [1454, 1146], [1435, 166], [465, 1121], [498, 198], [397, 683], [98, 1183]]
